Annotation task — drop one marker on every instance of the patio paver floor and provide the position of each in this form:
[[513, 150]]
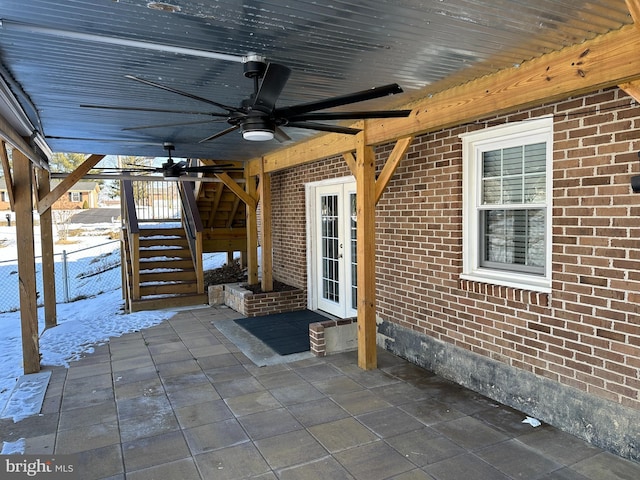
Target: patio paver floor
[[181, 401]]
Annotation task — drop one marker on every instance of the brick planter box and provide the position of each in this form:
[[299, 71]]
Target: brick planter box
[[333, 336], [255, 304]]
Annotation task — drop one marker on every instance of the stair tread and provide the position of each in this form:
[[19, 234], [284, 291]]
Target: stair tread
[[166, 301]]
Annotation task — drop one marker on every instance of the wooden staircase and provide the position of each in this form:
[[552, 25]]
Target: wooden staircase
[[163, 264], [165, 268], [223, 216]]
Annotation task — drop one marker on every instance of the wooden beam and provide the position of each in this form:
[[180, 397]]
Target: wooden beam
[[223, 245], [6, 167], [634, 9], [350, 158], [225, 234], [264, 190], [233, 212], [252, 231], [26, 262], [237, 189], [632, 89], [45, 203], [215, 203], [605, 61], [366, 253], [48, 260], [8, 134], [321, 146], [391, 165]]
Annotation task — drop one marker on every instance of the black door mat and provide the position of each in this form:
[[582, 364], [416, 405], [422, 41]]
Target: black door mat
[[285, 333]]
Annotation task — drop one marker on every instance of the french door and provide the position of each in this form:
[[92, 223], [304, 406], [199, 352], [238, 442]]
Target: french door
[[333, 252]]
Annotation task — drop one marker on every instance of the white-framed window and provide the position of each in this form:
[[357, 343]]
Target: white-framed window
[[75, 196], [507, 200]]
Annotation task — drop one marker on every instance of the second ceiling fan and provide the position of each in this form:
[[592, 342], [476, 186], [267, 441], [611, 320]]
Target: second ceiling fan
[[259, 119]]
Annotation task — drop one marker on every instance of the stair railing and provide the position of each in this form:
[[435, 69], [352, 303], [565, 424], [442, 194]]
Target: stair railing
[[132, 245], [192, 224]]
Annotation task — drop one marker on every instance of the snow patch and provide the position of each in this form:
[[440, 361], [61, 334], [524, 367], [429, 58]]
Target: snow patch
[[14, 448], [27, 396]]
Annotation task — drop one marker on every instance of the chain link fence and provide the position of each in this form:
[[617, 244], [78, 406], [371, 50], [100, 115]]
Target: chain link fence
[[78, 274]]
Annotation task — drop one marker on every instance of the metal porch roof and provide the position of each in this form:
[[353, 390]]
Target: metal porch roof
[[56, 55]]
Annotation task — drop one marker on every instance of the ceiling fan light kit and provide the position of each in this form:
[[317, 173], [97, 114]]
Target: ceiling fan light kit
[[258, 135], [257, 128]]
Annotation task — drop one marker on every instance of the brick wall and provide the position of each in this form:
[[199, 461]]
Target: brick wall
[[252, 304], [318, 332], [586, 333], [275, 302], [289, 217]]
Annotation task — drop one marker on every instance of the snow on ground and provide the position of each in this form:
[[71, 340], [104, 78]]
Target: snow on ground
[[81, 324]]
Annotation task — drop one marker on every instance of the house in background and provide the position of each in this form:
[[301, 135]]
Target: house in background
[[4, 195], [82, 195]]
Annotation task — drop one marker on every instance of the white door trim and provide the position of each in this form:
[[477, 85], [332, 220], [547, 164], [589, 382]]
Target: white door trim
[[312, 235]]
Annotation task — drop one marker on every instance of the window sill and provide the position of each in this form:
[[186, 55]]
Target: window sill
[[519, 293]]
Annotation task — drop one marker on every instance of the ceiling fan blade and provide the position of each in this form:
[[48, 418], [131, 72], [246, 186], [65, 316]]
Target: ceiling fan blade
[[155, 110], [281, 136], [128, 169], [350, 115], [184, 94], [197, 122], [274, 80], [324, 128], [355, 97], [219, 134], [213, 169]]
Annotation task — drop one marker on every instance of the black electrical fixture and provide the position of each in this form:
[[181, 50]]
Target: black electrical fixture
[[258, 118], [635, 181]]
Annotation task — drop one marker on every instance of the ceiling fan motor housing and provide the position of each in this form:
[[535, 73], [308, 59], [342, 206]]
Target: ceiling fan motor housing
[[255, 66]]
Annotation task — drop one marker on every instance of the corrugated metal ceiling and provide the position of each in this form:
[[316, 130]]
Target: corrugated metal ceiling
[[333, 48]]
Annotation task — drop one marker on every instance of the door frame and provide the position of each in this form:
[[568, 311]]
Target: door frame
[[312, 235]]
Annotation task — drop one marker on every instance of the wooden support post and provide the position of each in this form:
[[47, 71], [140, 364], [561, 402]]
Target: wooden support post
[[123, 254], [267, 238], [252, 232], [48, 261], [26, 262], [366, 253]]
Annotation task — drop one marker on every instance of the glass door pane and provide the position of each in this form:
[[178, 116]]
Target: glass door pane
[[329, 241]]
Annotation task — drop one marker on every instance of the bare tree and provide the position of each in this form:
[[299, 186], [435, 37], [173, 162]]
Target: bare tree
[[62, 218]]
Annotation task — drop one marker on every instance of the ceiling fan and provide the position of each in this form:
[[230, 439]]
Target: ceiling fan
[[257, 116], [172, 170]]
